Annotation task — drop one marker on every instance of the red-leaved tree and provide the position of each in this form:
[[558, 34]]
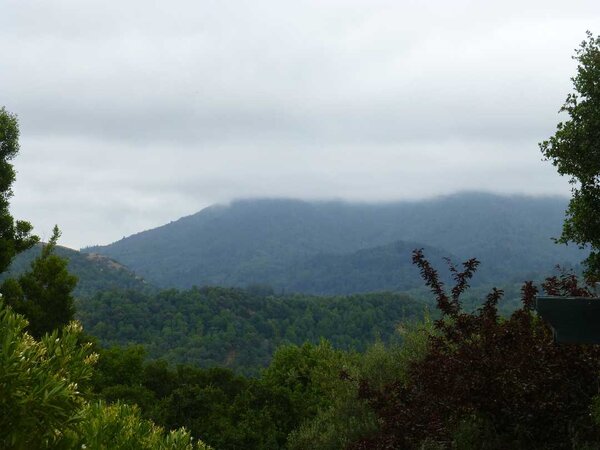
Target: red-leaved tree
[[491, 381]]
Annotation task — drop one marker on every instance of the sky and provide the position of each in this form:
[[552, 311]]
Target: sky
[[135, 113]]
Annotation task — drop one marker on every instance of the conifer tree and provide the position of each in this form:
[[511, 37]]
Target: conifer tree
[[44, 294]]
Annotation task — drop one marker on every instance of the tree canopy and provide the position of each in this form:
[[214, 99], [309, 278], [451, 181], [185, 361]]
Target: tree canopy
[[44, 293], [575, 151], [15, 236]]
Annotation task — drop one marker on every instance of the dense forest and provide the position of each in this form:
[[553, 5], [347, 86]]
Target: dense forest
[[240, 329]]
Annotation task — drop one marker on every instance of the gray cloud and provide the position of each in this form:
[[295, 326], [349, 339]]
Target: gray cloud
[[133, 114]]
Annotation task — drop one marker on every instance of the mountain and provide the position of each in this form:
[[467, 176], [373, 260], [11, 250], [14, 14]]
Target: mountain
[[327, 247], [383, 268], [95, 273]]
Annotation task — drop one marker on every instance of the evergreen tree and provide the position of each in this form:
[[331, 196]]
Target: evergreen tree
[[44, 294]]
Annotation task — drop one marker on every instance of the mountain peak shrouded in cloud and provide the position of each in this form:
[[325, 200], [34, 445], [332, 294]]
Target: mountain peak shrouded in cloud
[[134, 113], [341, 247]]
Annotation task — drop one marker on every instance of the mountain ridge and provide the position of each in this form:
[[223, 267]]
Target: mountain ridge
[[95, 272], [261, 241]]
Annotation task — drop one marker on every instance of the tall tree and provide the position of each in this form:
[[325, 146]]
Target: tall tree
[[575, 151], [15, 236]]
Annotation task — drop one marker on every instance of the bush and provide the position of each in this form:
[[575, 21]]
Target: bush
[[487, 380], [40, 383], [120, 427], [44, 401]]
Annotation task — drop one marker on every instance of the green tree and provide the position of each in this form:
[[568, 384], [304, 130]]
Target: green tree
[[44, 294], [345, 417], [41, 383], [45, 402], [575, 151], [15, 236]]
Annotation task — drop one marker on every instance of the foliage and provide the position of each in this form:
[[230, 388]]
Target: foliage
[[45, 399], [298, 401], [41, 383], [43, 294], [501, 378], [120, 366], [307, 372], [15, 236], [120, 427], [238, 328], [342, 417], [120, 375], [226, 410], [574, 151]]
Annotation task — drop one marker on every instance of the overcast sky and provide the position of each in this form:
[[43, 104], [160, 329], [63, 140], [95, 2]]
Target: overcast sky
[[135, 113]]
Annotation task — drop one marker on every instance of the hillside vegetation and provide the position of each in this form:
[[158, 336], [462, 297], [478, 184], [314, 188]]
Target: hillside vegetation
[[95, 273], [240, 329]]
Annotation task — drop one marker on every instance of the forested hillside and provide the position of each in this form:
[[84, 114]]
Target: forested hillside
[[95, 273], [335, 247], [240, 329], [384, 268]]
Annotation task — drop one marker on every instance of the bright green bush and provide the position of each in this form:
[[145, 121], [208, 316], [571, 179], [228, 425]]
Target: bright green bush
[[120, 427], [40, 396], [43, 399]]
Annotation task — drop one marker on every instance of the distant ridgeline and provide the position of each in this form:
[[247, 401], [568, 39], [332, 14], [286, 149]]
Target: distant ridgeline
[[240, 329], [341, 248], [95, 273]]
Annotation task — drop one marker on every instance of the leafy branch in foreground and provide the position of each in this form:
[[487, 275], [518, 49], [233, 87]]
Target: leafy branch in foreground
[[45, 403]]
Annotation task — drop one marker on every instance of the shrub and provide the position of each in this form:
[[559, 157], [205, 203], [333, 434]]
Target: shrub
[[498, 383], [120, 427], [44, 402], [40, 383]]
